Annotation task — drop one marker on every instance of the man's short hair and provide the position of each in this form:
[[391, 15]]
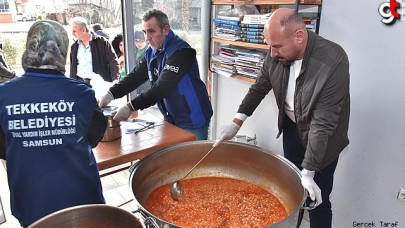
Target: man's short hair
[[161, 17], [97, 27]]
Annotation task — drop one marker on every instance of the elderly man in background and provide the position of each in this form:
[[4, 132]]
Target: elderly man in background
[[47, 131], [91, 53]]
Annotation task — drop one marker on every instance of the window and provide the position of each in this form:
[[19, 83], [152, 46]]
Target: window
[[4, 7]]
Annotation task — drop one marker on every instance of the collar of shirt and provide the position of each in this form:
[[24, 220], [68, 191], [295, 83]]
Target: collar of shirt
[[85, 62]]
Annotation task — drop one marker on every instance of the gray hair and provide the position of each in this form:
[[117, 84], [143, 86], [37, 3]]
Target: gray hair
[[81, 22], [161, 17]]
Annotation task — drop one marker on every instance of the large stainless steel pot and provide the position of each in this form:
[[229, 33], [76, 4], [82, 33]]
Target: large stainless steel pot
[[92, 215], [236, 160]]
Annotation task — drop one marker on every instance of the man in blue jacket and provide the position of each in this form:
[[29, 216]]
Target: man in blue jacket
[[48, 126], [171, 66]]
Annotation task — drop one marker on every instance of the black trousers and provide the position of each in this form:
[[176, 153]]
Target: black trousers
[[321, 216]]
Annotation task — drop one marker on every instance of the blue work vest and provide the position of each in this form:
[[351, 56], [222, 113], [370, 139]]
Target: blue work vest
[[188, 105]]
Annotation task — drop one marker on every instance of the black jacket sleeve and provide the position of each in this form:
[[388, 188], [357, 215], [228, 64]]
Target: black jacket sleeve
[[133, 80], [167, 81], [97, 127]]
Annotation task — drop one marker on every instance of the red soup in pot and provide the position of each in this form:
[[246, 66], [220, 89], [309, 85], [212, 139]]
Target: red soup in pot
[[217, 202]]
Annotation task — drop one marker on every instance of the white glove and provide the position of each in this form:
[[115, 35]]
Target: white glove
[[105, 99], [307, 181], [227, 132], [122, 113]]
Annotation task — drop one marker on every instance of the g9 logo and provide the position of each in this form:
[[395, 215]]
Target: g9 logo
[[388, 11]]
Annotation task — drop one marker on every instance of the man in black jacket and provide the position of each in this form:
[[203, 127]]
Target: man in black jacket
[[91, 53]]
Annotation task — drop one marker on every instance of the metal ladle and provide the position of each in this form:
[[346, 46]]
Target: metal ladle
[[176, 190]]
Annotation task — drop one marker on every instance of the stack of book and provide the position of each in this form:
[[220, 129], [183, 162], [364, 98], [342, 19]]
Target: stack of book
[[227, 27], [224, 62], [249, 61], [252, 28], [237, 60]]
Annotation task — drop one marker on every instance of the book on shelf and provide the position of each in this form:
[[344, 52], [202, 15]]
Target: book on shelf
[[223, 21], [248, 64], [256, 54], [222, 71], [223, 65], [227, 31], [255, 18], [227, 53], [222, 59], [253, 22], [258, 41], [259, 37], [247, 69], [232, 18], [251, 33], [226, 36], [229, 49], [228, 26], [247, 29], [250, 61], [243, 25]]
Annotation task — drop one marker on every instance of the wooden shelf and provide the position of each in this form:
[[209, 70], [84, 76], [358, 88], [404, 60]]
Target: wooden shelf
[[239, 77], [265, 2], [240, 43]]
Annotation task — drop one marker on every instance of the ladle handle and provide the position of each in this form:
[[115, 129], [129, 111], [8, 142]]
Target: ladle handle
[[197, 163]]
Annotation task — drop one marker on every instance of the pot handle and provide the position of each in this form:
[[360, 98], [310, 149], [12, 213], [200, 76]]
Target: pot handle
[[308, 205], [133, 165], [149, 222]]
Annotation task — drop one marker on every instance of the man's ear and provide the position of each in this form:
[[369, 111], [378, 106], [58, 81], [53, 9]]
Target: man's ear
[[299, 36], [166, 29]]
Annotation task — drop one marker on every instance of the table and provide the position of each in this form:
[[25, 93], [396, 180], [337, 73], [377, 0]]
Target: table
[[133, 146]]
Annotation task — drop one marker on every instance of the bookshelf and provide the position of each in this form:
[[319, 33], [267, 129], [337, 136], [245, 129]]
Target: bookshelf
[[261, 5]]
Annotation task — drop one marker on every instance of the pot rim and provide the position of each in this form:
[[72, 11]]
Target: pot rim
[[135, 166]]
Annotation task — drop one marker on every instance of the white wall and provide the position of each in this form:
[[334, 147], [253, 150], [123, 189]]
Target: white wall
[[371, 169]]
